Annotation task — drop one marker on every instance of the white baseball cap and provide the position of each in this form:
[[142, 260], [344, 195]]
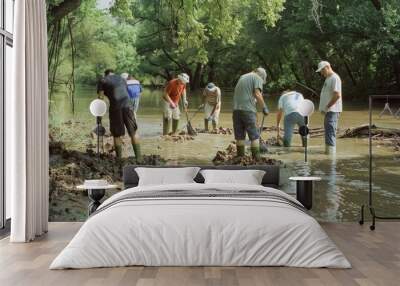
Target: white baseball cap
[[321, 65], [125, 75], [262, 73], [184, 77]]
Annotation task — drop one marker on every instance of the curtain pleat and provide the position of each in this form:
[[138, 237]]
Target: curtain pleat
[[29, 215]]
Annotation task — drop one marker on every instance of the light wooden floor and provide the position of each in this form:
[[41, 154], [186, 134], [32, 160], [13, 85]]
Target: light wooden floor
[[375, 257]]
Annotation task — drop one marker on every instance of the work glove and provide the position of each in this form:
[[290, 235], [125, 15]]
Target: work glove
[[172, 105], [265, 110]]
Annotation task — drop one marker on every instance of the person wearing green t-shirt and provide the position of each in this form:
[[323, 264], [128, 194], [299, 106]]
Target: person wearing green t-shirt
[[247, 95]]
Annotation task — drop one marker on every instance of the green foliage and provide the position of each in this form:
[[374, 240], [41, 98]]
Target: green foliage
[[218, 40]]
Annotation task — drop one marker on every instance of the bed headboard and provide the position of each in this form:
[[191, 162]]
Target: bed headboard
[[271, 177]]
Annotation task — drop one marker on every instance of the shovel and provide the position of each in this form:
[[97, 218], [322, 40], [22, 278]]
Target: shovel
[[190, 129], [263, 145]]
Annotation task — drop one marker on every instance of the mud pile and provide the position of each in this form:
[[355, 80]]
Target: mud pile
[[69, 168], [220, 131], [228, 157], [179, 138]]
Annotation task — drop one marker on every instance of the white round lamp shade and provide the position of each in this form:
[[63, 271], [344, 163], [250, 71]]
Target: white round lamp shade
[[98, 107], [306, 107]]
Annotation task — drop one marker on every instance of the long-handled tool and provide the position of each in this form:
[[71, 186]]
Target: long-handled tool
[[190, 129], [263, 145], [191, 118]]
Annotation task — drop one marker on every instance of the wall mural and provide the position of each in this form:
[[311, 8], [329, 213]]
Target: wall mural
[[166, 83]]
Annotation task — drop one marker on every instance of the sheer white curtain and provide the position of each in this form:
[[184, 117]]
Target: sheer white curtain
[[27, 123]]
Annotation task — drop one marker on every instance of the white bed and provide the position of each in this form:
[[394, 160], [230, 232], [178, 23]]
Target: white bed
[[266, 229]]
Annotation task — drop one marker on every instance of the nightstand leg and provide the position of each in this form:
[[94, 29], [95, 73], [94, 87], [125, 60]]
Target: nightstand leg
[[304, 193], [95, 197]]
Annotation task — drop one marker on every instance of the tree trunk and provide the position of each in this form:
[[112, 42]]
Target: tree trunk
[[396, 70], [195, 82]]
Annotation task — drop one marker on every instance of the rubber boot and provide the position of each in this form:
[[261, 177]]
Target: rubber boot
[[214, 125], [118, 151], [255, 153], [206, 124], [138, 153], [240, 150], [175, 124], [166, 126]]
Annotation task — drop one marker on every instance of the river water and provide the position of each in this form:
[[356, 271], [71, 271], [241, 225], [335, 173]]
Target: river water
[[344, 185]]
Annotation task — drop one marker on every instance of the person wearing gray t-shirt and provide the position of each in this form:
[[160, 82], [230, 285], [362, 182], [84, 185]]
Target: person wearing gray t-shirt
[[330, 104], [248, 93]]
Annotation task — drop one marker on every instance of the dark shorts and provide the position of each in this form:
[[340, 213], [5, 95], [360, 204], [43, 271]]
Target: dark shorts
[[121, 118], [245, 122]]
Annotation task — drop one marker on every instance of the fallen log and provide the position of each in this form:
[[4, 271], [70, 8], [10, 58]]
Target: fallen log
[[363, 131]]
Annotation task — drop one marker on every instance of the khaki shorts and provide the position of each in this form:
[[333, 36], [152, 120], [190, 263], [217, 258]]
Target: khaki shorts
[[169, 112]]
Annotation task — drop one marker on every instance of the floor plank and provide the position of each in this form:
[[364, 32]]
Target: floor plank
[[375, 257]]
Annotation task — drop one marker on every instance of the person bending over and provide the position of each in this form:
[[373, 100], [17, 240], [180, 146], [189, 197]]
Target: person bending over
[[212, 105], [121, 114], [288, 106]]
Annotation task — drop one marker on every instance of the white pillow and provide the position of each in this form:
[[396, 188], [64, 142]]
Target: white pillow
[[248, 177], [166, 176]]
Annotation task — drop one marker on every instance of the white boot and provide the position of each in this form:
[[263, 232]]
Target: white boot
[[330, 150]]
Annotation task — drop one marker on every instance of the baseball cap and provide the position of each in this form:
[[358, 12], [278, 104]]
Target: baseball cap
[[321, 65], [262, 73], [184, 77]]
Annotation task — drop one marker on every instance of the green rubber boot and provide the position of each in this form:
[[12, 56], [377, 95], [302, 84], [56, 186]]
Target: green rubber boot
[[255, 153], [240, 151], [118, 151], [166, 126], [175, 124], [138, 154], [206, 124]]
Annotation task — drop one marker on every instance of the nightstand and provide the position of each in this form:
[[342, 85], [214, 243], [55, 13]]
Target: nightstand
[[95, 194]]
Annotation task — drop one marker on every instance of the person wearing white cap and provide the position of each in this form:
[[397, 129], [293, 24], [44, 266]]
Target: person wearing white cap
[[173, 92], [212, 105], [288, 105], [330, 104], [248, 93]]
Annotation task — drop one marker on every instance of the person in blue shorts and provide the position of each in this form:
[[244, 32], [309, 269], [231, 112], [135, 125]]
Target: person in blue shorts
[[134, 91]]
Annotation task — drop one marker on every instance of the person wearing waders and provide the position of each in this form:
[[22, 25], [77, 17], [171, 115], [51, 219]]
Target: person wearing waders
[[212, 105], [121, 113], [247, 95], [174, 91]]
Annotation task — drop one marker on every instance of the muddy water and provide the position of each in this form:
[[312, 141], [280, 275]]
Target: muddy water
[[344, 185]]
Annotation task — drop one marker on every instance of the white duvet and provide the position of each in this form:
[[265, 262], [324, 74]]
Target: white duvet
[[200, 231]]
